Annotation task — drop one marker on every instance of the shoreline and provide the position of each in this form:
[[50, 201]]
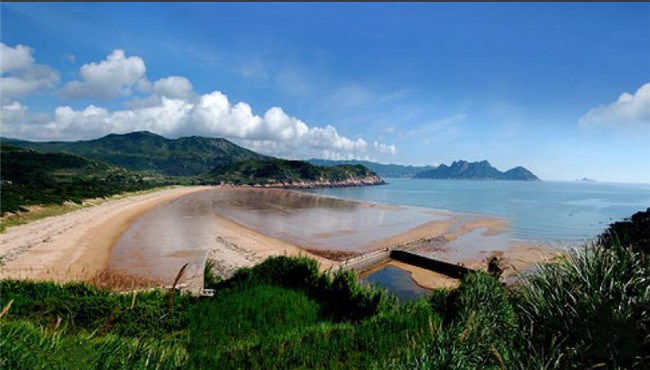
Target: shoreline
[[76, 245], [256, 245]]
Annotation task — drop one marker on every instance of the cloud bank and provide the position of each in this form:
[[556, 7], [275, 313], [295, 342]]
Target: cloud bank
[[170, 107], [21, 75], [630, 111]]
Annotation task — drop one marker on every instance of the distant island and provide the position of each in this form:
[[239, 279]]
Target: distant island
[[464, 170], [459, 170], [383, 170], [586, 179]]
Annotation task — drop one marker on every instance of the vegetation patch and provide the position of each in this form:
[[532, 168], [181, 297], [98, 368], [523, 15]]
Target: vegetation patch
[[32, 178], [589, 311], [274, 170]]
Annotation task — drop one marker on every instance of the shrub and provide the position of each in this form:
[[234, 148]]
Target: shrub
[[631, 233], [340, 294]]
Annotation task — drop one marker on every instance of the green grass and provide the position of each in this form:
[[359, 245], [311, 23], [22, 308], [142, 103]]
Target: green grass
[[323, 343], [81, 307], [26, 346], [591, 310], [232, 316]]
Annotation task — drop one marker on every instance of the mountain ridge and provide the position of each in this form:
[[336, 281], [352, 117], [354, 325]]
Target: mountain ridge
[[55, 172], [482, 170], [143, 150], [383, 170]]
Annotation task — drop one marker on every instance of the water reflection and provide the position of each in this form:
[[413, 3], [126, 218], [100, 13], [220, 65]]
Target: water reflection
[[397, 282], [159, 242], [313, 221]]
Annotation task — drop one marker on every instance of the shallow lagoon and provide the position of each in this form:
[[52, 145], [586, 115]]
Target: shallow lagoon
[[160, 241], [397, 282]]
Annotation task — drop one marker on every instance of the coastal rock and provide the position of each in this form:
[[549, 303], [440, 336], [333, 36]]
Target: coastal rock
[[350, 182]]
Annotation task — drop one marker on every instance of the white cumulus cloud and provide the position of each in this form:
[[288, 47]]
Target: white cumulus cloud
[[630, 111], [174, 87], [213, 115], [171, 108], [113, 77], [385, 149], [20, 73]]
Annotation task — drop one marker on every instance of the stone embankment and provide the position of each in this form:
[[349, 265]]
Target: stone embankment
[[369, 260]]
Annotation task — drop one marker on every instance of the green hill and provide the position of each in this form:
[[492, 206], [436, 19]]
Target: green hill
[[211, 160], [186, 156], [282, 171], [30, 178], [55, 172]]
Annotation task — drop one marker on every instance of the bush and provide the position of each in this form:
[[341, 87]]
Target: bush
[[631, 233], [343, 298]]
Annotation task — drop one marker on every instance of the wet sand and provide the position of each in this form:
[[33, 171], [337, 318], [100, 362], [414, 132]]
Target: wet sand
[[240, 227], [158, 243], [153, 235], [318, 222]]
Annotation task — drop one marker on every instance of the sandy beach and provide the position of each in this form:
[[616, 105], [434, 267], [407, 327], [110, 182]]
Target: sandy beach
[[78, 245], [243, 247], [75, 245]]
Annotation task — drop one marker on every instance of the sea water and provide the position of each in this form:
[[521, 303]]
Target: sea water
[[564, 212], [161, 240]]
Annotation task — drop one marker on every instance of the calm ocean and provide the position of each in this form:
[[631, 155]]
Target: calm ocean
[[541, 210]]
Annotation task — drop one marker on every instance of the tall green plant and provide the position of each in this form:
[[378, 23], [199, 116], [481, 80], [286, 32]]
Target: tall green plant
[[593, 308]]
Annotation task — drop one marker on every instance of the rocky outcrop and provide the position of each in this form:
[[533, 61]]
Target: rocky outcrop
[[349, 182]]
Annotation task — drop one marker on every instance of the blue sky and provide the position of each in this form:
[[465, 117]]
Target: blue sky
[[562, 89]]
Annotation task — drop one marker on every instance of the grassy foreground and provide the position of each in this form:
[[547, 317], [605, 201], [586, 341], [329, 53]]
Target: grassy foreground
[[590, 311]]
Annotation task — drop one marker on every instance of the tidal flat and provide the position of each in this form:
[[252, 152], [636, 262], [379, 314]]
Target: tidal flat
[[238, 227]]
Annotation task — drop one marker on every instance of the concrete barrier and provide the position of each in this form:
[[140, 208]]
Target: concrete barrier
[[445, 268]]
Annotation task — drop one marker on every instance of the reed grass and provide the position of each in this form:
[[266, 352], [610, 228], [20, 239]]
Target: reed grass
[[592, 308]]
